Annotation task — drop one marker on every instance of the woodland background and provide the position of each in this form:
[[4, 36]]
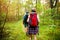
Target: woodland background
[[11, 17]]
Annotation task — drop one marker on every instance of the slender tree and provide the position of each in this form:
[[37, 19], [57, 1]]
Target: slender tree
[[53, 3]]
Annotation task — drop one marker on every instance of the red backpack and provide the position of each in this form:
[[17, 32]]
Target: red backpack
[[33, 21]]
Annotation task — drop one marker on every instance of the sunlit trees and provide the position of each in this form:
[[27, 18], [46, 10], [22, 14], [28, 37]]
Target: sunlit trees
[[48, 10], [53, 3]]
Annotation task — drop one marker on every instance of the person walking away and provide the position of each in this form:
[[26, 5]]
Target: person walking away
[[25, 21], [33, 21]]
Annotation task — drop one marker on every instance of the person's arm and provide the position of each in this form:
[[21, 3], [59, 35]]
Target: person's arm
[[28, 18], [23, 18], [38, 18]]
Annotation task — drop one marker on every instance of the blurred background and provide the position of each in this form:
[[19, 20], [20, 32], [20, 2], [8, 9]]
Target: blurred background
[[11, 17]]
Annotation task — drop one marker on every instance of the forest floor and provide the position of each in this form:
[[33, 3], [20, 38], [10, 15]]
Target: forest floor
[[17, 32]]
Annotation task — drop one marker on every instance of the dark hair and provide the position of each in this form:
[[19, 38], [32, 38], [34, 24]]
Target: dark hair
[[27, 12], [33, 11]]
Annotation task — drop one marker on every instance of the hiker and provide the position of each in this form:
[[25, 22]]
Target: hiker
[[25, 21], [33, 21]]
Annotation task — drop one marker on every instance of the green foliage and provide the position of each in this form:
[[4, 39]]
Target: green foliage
[[2, 18], [49, 26], [39, 7], [48, 11], [16, 31], [2, 28]]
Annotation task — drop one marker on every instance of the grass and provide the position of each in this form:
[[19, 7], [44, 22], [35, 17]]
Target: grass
[[16, 31]]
